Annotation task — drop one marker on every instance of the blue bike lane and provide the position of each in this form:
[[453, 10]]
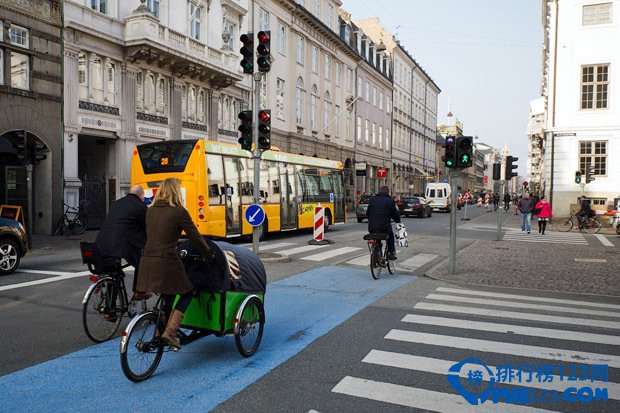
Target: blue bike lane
[[208, 371]]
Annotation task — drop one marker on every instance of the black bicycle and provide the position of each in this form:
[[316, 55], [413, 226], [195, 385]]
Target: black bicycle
[[378, 254], [106, 301], [73, 221]]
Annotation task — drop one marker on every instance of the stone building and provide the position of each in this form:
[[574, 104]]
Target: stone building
[[30, 109]]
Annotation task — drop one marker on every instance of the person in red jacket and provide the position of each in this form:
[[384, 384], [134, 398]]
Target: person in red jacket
[[544, 213]]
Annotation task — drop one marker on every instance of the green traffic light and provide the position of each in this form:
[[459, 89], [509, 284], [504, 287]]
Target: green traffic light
[[464, 158], [449, 163]]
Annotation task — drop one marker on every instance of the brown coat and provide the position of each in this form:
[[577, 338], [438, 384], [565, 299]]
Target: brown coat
[[161, 269]]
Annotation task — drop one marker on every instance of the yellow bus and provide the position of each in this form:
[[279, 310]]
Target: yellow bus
[[217, 180]]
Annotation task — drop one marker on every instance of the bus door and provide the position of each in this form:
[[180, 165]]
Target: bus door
[[232, 195], [288, 197], [338, 190]]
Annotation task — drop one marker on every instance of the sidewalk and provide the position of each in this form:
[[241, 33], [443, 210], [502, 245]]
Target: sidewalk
[[535, 265]]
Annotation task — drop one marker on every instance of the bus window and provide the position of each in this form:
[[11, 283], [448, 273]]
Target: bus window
[[165, 156], [264, 191], [215, 179], [246, 184], [325, 185], [233, 200]]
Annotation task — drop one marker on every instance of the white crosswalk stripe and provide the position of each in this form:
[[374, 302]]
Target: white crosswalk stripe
[[553, 237], [322, 256], [452, 335]]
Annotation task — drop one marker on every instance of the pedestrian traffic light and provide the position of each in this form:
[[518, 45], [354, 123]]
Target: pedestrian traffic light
[[21, 151], [497, 171], [264, 130], [263, 51], [577, 177], [246, 129], [590, 174], [36, 150], [464, 151], [450, 154], [247, 53], [510, 165]]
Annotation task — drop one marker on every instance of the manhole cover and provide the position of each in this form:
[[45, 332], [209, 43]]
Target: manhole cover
[[597, 260]]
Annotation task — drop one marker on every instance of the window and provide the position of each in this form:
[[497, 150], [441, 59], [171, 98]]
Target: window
[[349, 80], [139, 91], [328, 66], [601, 203], [150, 93], [330, 16], [381, 100], [594, 85], [374, 96], [184, 103], [300, 50], [100, 5], [263, 20], [366, 132], [380, 136], [201, 106], [299, 101], [83, 76], [387, 139], [337, 120], [281, 38], [19, 36], [326, 109], [280, 84], [191, 106], [1, 62], [161, 96], [97, 73], [317, 8], [359, 128], [338, 66], [194, 21], [20, 71], [315, 59], [313, 107], [263, 94], [596, 14], [230, 29], [359, 86], [374, 134], [367, 91], [111, 86], [1, 31], [593, 154], [153, 7], [388, 103]]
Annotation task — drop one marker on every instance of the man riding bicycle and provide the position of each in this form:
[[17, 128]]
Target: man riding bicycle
[[381, 210], [585, 210]]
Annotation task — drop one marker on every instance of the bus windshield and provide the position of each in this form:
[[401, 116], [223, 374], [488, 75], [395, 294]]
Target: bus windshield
[[169, 156]]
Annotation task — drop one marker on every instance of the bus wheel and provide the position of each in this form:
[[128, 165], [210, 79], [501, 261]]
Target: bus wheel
[[262, 231], [327, 221]]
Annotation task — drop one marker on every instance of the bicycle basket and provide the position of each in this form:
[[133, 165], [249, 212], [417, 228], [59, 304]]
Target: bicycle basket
[[98, 263]]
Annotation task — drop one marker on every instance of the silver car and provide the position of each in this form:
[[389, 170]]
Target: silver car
[[13, 245], [362, 206]]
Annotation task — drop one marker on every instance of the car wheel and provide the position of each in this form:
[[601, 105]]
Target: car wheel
[[9, 256], [359, 219], [430, 213]]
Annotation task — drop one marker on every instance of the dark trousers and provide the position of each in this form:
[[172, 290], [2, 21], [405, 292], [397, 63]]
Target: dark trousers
[[391, 240], [542, 225], [182, 304], [133, 258]]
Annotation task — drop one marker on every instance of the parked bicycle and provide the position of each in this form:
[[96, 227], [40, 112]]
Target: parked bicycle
[[106, 301], [588, 225], [73, 221], [378, 254]]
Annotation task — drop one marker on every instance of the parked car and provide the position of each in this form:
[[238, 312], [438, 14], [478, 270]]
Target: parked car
[[414, 206], [13, 245], [362, 206]]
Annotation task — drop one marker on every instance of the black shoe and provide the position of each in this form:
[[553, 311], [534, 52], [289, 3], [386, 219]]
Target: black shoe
[[392, 256]]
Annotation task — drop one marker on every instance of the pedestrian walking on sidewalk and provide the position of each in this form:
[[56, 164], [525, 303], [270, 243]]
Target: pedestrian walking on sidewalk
[[544, 214], [507, 200], [525, 207]]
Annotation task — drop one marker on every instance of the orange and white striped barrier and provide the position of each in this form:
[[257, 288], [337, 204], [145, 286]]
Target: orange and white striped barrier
[[319, 223]]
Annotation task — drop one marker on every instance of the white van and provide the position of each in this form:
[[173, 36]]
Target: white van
[[438, 196]]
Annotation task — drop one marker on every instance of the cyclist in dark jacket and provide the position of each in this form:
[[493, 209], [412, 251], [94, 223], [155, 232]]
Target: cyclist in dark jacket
[[585, 209], [381, 210]]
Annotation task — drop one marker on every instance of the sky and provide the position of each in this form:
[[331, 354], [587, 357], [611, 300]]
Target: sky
[[485, 56]]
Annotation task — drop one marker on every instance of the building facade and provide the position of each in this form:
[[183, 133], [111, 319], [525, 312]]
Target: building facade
[[31, 108], [582, 123]]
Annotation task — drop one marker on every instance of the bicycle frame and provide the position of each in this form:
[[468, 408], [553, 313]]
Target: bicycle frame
[[117, 279], [376, 247]]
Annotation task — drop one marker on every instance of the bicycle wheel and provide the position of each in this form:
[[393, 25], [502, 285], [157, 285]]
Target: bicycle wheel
[[102, 310], [565, 225], [251, 323], [141, 348], [592, 226], [391, 265], [78, 226], [375, 266]]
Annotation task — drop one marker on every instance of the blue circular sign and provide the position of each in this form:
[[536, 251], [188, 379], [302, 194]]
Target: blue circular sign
[[255, 215]]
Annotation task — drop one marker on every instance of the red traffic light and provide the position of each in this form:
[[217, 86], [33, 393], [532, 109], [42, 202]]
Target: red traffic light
[[263, 37], [246, 38], [264, 116], [245, 116]]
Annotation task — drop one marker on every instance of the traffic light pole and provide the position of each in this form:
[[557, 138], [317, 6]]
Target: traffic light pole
[[454, 175], [499, 215], [256, 153]]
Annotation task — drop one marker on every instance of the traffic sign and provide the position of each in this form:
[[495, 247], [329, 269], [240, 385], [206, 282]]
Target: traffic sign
[[255, 215], [445, 180]]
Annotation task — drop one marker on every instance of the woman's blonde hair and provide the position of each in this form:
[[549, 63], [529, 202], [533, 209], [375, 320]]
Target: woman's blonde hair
[[170, 192]]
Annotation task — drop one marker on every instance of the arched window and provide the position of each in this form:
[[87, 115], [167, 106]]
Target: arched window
[[327, 106], [192, 103], [313, 103], [139, 91], [161, 98], [150, 93], [299, 101], [201, 106]]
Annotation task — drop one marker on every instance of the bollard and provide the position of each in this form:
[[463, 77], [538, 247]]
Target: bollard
[[319, 224]]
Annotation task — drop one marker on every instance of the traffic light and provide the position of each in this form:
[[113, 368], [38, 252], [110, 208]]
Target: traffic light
[[464, 151], [35, 149], [263, 51], [590, 174], [264, 130], [21, 151], [246, 129], [247, 51], [510, 165], [497, 171], [450, 154], [577, 177]]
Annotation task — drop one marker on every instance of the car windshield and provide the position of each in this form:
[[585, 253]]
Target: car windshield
[[365, 199], [411, 200]]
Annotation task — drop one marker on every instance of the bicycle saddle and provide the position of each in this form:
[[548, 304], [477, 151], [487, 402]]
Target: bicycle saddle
[[376, 236]]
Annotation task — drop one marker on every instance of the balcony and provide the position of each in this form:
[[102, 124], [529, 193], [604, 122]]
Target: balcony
[[148, 40]]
